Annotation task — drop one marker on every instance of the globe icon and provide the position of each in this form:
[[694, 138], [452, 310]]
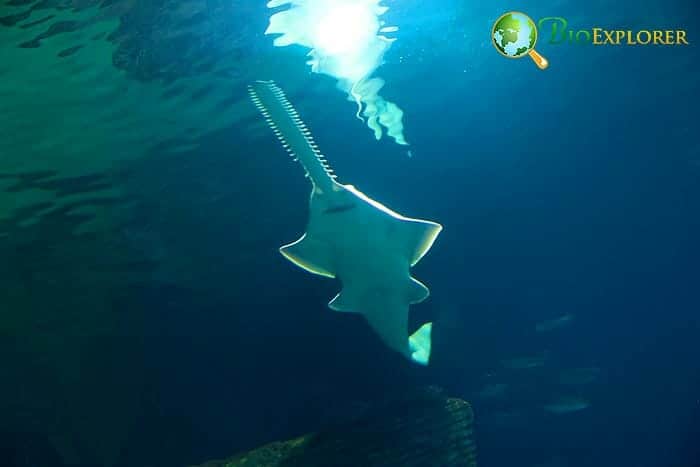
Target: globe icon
[[514, 35]]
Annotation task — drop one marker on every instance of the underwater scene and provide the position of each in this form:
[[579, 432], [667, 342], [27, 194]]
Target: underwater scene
[[320, 233]]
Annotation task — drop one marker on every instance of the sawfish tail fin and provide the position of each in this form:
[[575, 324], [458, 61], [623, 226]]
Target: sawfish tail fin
[[285, 122], [420, 344]]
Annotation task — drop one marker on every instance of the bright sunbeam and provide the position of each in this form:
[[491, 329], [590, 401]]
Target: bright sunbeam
[[346, 42], [345, 29]]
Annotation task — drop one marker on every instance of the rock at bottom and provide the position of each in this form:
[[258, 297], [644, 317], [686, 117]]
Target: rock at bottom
[[424, 429]]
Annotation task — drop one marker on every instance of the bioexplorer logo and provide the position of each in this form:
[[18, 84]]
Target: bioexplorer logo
[[515, 34]]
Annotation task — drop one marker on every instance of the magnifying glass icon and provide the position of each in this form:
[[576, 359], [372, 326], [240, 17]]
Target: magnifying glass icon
[[514, 35]]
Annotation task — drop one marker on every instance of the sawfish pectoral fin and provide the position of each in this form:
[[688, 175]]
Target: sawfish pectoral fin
[[421, 236], [417, 291], [420, 344], [339, 303], [310, 255]]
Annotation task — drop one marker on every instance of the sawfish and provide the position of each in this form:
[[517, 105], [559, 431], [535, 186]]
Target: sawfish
[[365, 245]]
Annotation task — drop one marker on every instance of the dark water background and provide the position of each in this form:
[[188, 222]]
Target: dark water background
[[176, 333]]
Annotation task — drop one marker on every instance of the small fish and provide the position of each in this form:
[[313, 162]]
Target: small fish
[[552, 324], [493, 390], [579, 376], [524, 363], [567, 404]]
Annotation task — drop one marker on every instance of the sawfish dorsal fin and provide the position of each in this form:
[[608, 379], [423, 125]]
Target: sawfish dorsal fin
[[285, 122]]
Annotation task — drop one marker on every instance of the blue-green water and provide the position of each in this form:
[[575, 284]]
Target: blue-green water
[[147, 318]]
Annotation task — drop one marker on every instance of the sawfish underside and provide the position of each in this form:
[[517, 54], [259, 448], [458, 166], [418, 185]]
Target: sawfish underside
[[349, 236]]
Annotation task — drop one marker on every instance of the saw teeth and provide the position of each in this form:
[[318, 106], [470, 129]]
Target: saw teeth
[[296, 120]]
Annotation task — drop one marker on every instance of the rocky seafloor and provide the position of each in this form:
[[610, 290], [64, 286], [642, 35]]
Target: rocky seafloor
[[421, 429]]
